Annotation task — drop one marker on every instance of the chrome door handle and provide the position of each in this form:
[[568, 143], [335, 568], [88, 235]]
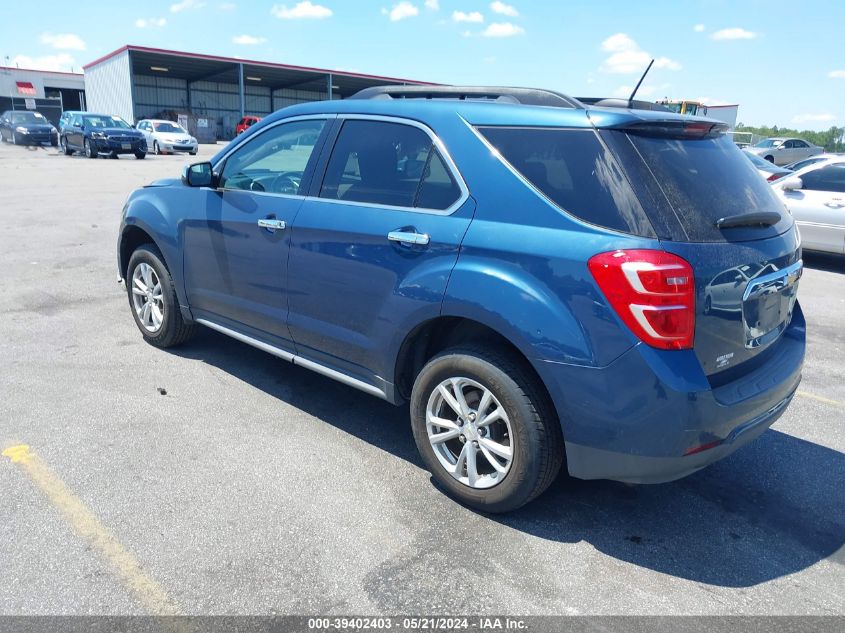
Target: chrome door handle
[[836, 203], [272, 224], [409, 238]]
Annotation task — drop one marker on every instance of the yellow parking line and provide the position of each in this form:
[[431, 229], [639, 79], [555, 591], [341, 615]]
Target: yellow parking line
[[812, 396], [84, 523]]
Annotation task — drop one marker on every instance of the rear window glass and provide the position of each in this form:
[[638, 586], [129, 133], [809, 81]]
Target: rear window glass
[[574, 170], [702, 180]]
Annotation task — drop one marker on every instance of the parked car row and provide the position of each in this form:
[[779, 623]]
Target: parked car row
[[782, 151]]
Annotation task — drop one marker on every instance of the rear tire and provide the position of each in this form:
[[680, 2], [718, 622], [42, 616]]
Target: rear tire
[[525, 440], [160, 323]]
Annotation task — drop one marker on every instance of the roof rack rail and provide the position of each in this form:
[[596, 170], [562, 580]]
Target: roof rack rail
[[523, 96], [616, 102]]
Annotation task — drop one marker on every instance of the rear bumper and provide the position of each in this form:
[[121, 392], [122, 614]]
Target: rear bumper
[[653, 416], [593, 463]]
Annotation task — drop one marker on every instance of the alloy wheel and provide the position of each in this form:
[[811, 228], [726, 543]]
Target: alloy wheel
[[469, 432], [147, 299]]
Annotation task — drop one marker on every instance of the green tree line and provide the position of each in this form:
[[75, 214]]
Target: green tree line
[[833, 140]]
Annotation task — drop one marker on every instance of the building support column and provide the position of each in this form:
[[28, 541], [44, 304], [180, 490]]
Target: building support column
[[241, 93], [329, 86]]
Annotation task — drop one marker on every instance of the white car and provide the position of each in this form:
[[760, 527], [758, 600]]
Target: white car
[[815, 196], [167, 137], [814, 160], [782, 151]]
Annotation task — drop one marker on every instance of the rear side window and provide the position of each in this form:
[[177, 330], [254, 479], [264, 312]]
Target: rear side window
[[574, 170], [830, 178], [692, 183], [391, 164]]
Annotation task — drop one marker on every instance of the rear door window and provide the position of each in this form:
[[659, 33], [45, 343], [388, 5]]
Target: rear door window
[[575, 171]]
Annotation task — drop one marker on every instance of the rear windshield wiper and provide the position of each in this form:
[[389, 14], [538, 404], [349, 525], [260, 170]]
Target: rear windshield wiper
[[759, 218]]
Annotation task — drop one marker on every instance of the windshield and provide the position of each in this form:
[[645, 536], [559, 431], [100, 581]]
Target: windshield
[[96, 121], [166, 126], [27, 117], [770, 142]]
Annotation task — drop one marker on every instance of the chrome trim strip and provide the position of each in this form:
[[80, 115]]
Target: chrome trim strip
[[297, 360], [243, 338], [340, 377]]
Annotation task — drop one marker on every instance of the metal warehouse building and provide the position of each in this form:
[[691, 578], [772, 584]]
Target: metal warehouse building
[[136, 82]]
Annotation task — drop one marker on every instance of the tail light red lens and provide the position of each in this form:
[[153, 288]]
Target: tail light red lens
[[653, 292]]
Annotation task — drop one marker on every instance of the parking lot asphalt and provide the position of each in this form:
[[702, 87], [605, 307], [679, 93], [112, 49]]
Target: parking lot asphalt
[[215, 478]]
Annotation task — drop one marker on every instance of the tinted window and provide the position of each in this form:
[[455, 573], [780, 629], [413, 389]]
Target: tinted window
[[575, 171], [390, 164], [702, 180], [799, 144], [274, 161], [830, 178]]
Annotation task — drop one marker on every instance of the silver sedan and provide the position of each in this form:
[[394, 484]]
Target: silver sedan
[[782, 151], [815, 196], [166, 137]]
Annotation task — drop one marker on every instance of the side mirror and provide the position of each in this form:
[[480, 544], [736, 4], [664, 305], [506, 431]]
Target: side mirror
[[198, 175], [791, 183]]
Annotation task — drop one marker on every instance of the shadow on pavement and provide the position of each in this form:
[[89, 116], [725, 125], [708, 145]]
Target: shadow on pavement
[[772, 509], [824, 261]]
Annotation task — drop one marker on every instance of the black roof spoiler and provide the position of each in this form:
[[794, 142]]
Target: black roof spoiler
[[523, 96]]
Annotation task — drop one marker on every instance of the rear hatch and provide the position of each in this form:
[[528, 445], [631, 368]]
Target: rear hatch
[[709, 206]]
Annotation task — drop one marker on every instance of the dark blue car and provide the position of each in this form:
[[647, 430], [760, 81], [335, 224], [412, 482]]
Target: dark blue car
[[101, 135], [533, 274]]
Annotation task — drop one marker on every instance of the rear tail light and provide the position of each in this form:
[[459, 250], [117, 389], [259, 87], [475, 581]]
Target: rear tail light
[[774, 177], [653, 292]]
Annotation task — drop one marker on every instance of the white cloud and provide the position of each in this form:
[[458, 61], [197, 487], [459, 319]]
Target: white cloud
[[813, 118], [434, 5], [698, 28], [503, 29], [836, 74], [626, 57], [63, 41], [301, 11], [248, 40], [733, 34], [400, 11], [504, 9], [474, 16], [186, 4], [149, 23], [61, 62]]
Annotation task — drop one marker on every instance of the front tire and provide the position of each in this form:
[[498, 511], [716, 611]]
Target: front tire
[[90, 151], [485, 428], [153, 300], [156, 149], [771, 159]]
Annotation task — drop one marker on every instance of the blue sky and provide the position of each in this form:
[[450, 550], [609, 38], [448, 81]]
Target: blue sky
[[783, 62]]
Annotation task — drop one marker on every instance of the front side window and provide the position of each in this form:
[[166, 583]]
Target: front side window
[[830, 178], [275, 161], [391, 164]]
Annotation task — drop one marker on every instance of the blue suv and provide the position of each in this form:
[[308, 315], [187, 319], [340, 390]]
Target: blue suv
[[547, 281]]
